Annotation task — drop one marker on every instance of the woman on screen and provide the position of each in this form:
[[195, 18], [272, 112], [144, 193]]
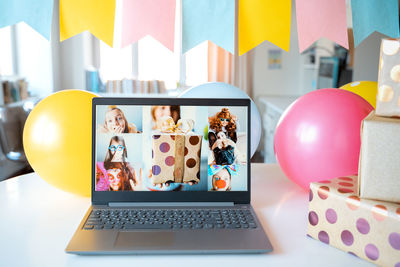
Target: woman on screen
[[116, 122], [159, 112], [117, 155], [121, 178], [117, 151]]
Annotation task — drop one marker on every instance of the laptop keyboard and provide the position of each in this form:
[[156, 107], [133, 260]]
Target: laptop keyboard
[[175, 219]]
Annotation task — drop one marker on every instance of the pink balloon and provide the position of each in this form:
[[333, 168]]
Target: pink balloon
[[318, 136]]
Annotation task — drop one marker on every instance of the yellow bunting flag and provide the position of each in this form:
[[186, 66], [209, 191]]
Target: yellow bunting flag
[[261, 20], [96, 16]]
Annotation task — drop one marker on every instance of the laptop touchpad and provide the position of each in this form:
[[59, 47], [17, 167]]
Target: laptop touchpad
[[143, 240]]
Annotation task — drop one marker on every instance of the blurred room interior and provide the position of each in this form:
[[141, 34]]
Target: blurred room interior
[[32, 68]]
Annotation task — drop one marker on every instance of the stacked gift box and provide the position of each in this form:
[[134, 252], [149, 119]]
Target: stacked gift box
[[361, 214], [369, 229]]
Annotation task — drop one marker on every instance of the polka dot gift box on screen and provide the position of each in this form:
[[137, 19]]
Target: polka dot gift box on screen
[[176, 157], [365, 228], [379, 167], [388, 101]]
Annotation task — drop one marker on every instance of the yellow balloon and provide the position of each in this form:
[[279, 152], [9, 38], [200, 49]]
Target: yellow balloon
[[58, 139], [366, 89]]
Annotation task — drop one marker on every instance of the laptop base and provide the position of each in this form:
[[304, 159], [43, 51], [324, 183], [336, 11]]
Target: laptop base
[[182, 241]]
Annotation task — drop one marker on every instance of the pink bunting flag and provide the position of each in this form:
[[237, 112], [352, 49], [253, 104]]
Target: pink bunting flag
[[148, 17], [321, 18]]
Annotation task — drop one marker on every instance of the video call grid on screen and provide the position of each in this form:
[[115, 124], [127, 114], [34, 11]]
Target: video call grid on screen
[[171, 148]]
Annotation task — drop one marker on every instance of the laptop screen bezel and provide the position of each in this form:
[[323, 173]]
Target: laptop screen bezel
[[106, 197]]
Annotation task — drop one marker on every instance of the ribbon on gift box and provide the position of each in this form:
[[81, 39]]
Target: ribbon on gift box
[[167, 125]]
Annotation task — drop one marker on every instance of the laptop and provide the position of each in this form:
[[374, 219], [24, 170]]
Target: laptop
[[170, 176]]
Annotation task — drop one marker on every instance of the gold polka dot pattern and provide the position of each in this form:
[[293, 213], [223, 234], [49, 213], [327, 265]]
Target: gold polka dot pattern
[[390, 47], [395, 73], [385, 93], [388, 98], [366, 228], [379, 212]]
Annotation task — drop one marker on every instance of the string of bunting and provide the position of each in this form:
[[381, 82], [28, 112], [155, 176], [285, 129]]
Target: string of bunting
[[258, 20]]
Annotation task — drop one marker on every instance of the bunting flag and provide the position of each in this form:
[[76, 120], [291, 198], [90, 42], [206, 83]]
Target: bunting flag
[[321, 18], [261, 20], [96, 16], [374, 15], [208, 20], [258, 20], [148, 17], [37, 14]]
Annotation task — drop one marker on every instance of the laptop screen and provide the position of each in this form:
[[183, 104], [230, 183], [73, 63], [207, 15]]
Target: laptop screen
[[171, 148]]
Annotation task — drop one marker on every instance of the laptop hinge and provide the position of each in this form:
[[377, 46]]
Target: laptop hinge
[[169, 204]]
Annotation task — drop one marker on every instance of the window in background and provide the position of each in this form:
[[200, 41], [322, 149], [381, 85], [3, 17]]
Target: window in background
[[6, 60], [156, 62], [34, 61], [149, 60], [115, 63], [197, 65]]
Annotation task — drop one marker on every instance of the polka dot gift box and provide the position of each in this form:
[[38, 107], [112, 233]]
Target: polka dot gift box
[[368, 229], [388, 100], [176, 153], [379, 167]]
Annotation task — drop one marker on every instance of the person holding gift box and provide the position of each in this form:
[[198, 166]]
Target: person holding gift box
[[159, 112], [176, 152]]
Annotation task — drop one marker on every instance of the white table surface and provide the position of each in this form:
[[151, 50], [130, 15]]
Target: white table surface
[[38, 220]]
